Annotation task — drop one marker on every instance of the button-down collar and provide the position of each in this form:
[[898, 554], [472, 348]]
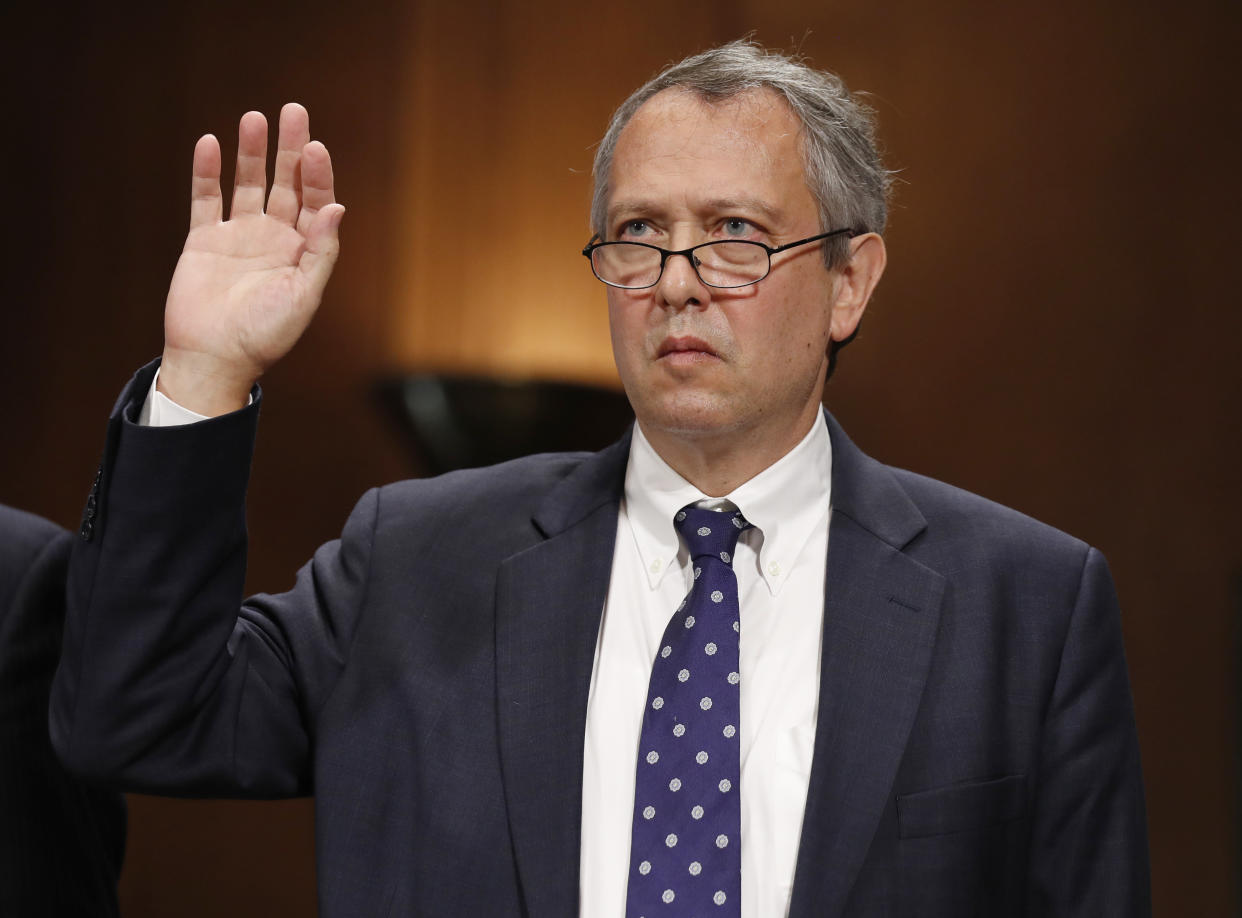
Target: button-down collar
[[783, 503]]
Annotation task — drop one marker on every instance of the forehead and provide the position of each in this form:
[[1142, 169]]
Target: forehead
[[680, 148]]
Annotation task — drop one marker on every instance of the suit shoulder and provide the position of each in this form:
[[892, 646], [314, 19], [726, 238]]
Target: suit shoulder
[[23, 538], [508, 483], [488, 482], [26, 530], [33, 556], [973, 525]]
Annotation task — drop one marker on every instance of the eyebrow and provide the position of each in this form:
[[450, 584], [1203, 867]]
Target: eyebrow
[[636, 206], [712, 206], [752, 205]]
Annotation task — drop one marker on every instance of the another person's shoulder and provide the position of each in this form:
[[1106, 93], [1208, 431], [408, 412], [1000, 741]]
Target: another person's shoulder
[[25, 531], [24, 539]]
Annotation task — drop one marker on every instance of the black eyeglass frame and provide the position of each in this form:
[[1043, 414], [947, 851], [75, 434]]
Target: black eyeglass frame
[[666, 254]]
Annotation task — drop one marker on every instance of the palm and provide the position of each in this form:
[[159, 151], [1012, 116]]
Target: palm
[[247, 269], [246, 288]]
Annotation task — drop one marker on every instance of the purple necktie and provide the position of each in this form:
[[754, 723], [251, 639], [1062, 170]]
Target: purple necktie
[[685, 852]]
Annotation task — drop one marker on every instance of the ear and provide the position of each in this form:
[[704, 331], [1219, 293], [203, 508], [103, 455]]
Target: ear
[[856, 279]]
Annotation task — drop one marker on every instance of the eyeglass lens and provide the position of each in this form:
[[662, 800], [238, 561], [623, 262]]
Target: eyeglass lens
[[719, 264]]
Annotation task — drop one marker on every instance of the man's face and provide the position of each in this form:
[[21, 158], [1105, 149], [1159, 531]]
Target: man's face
[[699, 362]]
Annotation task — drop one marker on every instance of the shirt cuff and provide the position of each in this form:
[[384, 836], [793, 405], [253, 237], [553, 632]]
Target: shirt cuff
[[161, 411]]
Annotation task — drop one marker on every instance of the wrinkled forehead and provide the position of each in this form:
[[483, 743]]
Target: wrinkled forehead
[[752, 122], [680, 141]]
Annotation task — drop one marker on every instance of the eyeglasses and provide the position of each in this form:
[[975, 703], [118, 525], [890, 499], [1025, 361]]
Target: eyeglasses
[[723, 263]]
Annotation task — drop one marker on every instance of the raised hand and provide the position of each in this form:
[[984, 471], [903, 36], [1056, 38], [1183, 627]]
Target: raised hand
[[246, 288]]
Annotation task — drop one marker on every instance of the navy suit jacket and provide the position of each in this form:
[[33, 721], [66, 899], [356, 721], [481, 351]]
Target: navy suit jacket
[[427, 677], [61, 843]]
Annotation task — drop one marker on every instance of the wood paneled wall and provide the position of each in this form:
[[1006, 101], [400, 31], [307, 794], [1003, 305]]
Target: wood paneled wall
[[1057, 329]]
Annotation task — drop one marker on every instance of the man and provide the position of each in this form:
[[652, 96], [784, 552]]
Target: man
[[61, 843], [482, 682]]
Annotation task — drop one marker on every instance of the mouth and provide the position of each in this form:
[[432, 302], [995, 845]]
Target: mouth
[[684, 347]]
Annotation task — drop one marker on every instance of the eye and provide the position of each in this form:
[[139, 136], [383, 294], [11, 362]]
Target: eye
[[736, 226], [632, 228]]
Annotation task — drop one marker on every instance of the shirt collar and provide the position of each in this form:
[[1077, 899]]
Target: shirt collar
[[784, 502]]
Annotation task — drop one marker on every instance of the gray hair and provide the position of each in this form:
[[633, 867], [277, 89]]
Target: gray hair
[[840, 158]]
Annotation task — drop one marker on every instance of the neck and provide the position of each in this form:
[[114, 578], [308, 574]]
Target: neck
[[719, 462]]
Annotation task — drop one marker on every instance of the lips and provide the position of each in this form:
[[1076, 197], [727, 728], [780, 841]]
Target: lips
[[684, 345]]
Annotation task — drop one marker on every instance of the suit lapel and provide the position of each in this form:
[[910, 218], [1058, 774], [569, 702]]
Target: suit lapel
[[881, 613], [549, 599]]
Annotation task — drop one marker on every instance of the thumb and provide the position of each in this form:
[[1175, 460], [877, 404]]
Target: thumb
[[322, 245]]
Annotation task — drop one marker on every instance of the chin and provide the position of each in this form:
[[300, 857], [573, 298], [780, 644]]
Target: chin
[[690, 417]]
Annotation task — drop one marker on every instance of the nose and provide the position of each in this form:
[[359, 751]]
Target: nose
[[679, 286]]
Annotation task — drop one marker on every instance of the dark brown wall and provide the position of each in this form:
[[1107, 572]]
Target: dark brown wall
[[1058, 328]]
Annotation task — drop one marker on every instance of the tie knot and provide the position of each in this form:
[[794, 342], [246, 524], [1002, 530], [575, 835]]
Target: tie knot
[[710, 532]]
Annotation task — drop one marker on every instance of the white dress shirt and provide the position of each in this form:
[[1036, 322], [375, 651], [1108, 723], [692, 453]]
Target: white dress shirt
[[780, 571], [780, 567]]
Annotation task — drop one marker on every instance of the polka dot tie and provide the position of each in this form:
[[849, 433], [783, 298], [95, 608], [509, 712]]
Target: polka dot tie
[[685, 853]]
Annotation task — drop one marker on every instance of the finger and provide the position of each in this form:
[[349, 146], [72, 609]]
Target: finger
[[251, 176], [317, 186], [206, 205], [322, 245], [286, 198]]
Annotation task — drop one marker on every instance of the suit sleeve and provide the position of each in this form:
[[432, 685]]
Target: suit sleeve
[[1089, 853], [61, 842], [168, 683]]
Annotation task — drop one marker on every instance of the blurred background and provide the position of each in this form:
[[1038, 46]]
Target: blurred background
[[1058, 328]]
